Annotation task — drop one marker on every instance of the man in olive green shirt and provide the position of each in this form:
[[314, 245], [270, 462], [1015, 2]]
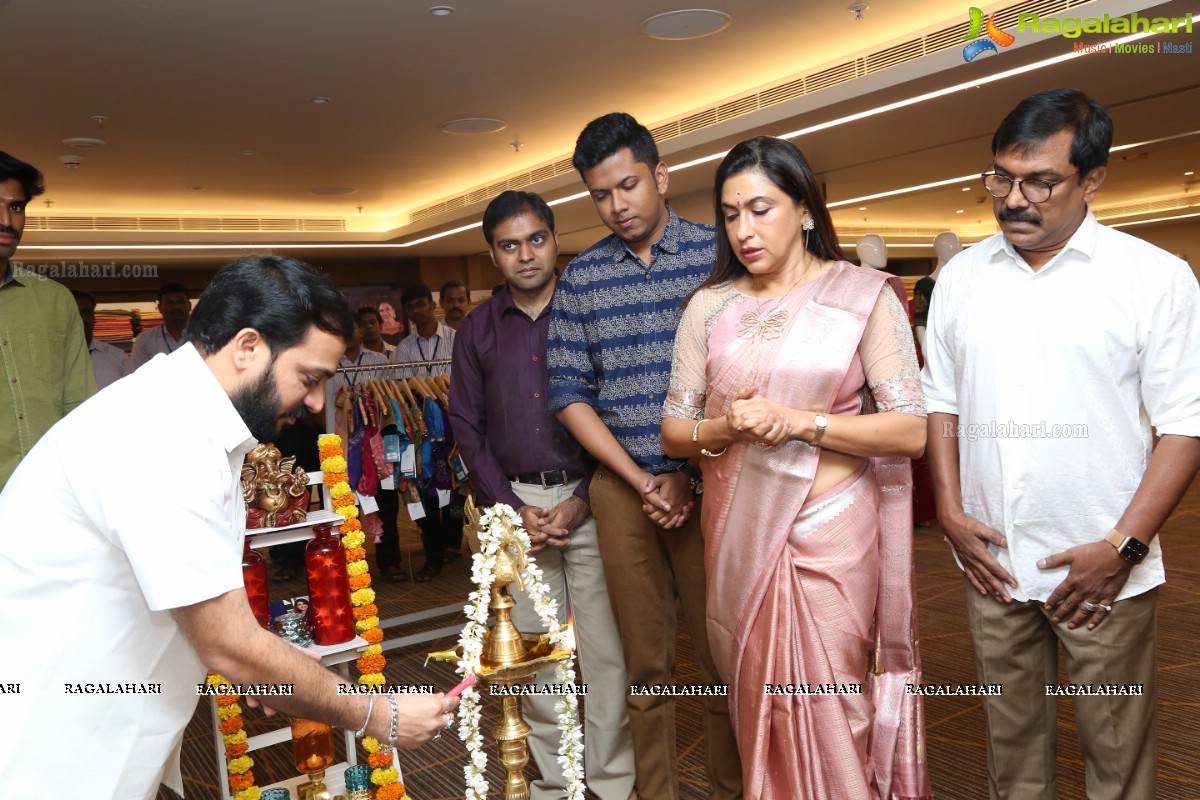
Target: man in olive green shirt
[[45, 370]]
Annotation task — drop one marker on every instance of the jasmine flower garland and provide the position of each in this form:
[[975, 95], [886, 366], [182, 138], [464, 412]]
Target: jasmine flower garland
[[495, 522]]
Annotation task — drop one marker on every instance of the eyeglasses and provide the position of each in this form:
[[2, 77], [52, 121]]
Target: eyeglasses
[[1000, 186]]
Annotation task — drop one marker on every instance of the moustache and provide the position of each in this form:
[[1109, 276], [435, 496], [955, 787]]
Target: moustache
[[7, 230], [1016, 215]]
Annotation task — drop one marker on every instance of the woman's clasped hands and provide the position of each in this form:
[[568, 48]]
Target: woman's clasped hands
[[753, 418]]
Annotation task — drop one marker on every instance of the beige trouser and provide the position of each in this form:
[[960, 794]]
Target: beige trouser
[[1016, 645], [575, 577], [647, 567]]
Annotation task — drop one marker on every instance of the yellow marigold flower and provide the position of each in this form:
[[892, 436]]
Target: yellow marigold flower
[[371, 679], [335, 464], [367, 624], [370, 744], [340, 490], [225, 712], [329, 440], [239, 765], [253, 793], [362, 596], [235, 738], [214, 679], [373, 650], [349, 512], [353, 538], [357, 568], [382, 777]]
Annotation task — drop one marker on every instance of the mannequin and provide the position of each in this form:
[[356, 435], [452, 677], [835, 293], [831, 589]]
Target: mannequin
[[872, 251], [946, 245]]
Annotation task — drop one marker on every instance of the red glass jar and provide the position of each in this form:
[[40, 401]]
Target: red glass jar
[[328, 588], [254, 576]]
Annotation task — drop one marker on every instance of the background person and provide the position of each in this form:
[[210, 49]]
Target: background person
[[176, 308], [44, 366], [109, 364], [807, 503], [455, 300]]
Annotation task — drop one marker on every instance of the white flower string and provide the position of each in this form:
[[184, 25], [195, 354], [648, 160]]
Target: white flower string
[[570, 746]]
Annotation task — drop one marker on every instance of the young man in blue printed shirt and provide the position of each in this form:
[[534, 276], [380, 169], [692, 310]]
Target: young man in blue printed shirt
[[612, 331]]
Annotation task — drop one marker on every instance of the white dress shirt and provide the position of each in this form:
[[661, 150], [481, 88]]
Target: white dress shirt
[[118, 515], [1057, 377], [109, 363], [414, 348], [150, 343]]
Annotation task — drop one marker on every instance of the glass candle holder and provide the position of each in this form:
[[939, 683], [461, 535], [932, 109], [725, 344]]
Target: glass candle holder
[[276, 793], [312, 745]]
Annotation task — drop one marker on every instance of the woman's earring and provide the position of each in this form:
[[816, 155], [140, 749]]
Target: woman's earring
[[807, 225]]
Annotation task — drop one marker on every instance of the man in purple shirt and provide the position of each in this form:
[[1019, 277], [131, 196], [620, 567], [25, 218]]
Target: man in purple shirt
[[518, 453]]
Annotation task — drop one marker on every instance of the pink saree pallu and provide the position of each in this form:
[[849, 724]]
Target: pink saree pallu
[[811, 610]]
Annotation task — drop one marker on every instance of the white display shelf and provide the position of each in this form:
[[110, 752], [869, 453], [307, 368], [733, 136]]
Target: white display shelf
[[299, 532]]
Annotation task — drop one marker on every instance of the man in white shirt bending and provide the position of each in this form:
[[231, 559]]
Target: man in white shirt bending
[[1052, 349]]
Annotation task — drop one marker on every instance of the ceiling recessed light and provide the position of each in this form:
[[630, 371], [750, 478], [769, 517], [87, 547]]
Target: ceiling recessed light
[[332, 190], [1189, 173], [319, 101], [959, 211], [441, 11], [862, 208], [474, 125], [966, 188], [691, 23], [83, 143]]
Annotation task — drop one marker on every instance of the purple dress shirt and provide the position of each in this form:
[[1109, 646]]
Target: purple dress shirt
[[498, 402]]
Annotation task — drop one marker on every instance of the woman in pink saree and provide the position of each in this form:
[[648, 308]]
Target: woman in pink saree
[[795, 382]]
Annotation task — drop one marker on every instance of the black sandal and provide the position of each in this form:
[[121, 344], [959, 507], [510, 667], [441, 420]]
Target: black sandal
[[395, 575], [427, 573]]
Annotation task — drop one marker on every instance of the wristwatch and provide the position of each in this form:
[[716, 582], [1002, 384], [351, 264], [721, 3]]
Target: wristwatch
[[695, 478], [1128, 547], [821, 422]]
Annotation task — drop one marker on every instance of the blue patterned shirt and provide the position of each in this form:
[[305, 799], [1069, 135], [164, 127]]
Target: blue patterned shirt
[[612, 332]]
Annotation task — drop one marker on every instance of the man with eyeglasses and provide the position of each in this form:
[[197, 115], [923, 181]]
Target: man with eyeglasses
[[1052, 349]]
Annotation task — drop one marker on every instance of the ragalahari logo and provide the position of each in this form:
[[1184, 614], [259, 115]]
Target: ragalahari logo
[[990, 31]]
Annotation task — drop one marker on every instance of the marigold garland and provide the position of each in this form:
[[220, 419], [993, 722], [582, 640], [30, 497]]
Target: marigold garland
[[237, 763], [383, 774], [366, 614]]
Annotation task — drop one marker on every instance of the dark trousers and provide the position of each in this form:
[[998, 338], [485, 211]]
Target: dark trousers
[[387, 552], [437, 531]]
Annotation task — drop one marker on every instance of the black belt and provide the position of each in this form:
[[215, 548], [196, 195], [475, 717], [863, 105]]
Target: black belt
[[550, 477]]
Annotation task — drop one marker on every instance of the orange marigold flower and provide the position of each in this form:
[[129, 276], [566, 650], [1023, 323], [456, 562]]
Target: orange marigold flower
[[243, 781], [351, 525], [362, 612], [355, 554], [373, 635], [231, 725], [226, 699], [342, 502], [236, 750], [360, 582], [371, 664], [379, 759], [393, 791], [328, 451]]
